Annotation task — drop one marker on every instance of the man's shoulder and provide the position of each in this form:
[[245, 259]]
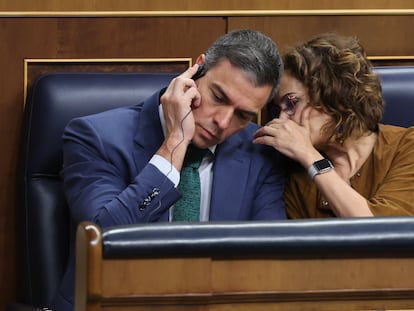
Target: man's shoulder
[[119, 122], [259, 150], [243, 140], [124, 113], [114, 114], [249, 130], [113, 119]]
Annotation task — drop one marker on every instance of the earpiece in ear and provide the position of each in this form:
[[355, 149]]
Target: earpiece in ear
[[200, 72]]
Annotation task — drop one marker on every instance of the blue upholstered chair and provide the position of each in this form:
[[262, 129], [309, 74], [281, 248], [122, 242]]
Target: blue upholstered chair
[[43, 215], [398, 92]]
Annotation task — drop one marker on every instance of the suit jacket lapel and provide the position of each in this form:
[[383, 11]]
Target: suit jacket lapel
[[229, 181], [149, 136]]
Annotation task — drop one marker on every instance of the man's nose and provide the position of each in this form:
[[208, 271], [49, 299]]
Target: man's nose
[[224, 117]]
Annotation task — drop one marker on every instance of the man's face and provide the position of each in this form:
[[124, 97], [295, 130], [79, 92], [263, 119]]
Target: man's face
[[229, 101]]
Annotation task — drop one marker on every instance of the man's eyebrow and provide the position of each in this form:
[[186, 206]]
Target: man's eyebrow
[[251, 113], [227, 100]]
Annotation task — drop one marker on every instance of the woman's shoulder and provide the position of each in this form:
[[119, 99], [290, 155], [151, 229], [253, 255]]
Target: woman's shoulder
[[394, 141], [392, 134]]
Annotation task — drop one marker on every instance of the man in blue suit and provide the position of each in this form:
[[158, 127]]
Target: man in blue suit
[[123, 166]]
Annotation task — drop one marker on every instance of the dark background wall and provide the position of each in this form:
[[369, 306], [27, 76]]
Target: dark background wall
[[55, 30]]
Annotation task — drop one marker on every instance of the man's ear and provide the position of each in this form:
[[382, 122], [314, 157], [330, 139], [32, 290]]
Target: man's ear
[[201, 59]]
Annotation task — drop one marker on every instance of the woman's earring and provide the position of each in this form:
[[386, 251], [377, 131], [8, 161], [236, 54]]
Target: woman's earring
[[339, 134]]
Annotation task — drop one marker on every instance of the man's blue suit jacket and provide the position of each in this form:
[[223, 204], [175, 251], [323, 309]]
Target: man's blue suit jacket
[[108, 180]]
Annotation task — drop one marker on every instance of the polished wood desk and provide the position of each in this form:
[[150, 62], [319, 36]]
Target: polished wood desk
[[249, 280]]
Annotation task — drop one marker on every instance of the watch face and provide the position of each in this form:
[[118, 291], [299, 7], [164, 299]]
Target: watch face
[[323, 164], [319, 167]]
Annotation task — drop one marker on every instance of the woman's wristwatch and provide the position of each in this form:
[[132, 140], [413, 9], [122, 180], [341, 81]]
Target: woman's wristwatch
[[320, 167]]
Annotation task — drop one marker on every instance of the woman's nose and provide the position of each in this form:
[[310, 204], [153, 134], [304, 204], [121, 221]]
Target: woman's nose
[[283, 115]]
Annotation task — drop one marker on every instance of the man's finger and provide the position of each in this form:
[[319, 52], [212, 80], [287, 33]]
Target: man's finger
[[190, 71]]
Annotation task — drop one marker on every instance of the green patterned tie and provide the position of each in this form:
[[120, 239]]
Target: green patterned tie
[[188, 207]]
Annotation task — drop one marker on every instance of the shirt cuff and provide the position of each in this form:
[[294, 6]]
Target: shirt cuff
[[166, 168]]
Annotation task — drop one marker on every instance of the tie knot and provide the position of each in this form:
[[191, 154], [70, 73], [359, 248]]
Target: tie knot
[[194, 156]]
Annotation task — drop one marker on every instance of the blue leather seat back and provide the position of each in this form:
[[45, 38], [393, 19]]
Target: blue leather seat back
[[44, 220], [398, 92]]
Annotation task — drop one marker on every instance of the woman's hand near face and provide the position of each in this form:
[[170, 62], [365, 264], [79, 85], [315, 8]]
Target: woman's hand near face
[[290, 138], [296, 141]]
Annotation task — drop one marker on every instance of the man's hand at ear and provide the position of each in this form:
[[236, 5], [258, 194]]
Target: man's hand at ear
[[177, 103]]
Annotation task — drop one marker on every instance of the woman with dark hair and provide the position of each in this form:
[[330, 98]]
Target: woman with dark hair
[[330, 106]]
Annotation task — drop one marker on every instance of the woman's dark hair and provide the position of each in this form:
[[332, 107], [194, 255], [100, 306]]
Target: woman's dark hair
[[340, 81]]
